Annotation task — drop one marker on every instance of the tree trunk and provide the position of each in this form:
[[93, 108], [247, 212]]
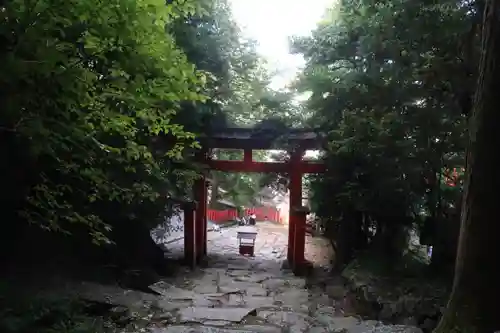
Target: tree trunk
[[444, 247], [473, 304]]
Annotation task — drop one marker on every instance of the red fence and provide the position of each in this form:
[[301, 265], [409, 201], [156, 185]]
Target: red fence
[[262, 213], [265, 213], [221, 215]]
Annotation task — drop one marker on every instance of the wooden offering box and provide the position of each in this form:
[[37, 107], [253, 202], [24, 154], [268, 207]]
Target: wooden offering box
[[246, 242]]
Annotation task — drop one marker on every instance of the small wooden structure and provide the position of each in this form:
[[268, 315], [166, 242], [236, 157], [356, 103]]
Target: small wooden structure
[[246, 242]]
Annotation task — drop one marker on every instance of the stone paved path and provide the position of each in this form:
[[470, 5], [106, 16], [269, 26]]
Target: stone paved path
[[237, 294], [271, 244]]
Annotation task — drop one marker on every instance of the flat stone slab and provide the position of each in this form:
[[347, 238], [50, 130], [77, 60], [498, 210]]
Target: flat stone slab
[[273, 329], [395, 329], [203, 314], [179, 294], [206, 289], [258, 301], [239, 272], [112, 295], [284, 284], [169, 305], [208, 329], [161, 287], [293, 298], [256, 291], [343, 323], [295, 322], [253, 277]]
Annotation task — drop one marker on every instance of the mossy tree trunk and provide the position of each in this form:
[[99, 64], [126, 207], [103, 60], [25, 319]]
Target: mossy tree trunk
[[473, 304]]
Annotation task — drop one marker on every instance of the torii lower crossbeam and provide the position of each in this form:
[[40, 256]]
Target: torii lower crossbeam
[[251, 166]]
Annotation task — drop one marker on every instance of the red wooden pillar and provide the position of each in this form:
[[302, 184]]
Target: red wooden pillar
[[247, 156], [295, 202], [200, 191], [205, 225], [300, 264], [200, 194], [189, 233]]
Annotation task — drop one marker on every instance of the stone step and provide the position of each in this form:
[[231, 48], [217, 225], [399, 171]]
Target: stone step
[[204, 314]]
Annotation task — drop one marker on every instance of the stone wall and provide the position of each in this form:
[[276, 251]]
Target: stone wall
[[408, 301]]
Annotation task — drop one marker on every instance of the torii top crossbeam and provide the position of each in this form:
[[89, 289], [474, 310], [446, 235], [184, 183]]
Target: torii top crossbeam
[[261, 139], [249, 139]]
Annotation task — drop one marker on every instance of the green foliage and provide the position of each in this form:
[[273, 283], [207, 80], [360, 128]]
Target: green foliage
[[86, 87], [101, 104], [387, 89]]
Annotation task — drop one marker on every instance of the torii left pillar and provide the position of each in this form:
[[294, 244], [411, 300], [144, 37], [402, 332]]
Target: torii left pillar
[[189, 233], [295, 253], [200, 193], [301, 265], [201, 196]]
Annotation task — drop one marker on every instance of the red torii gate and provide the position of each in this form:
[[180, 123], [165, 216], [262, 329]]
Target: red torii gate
[[247, 139]]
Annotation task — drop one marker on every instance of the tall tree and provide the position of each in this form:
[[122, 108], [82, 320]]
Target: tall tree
[[388, 100], [473, 304], [87, 88]]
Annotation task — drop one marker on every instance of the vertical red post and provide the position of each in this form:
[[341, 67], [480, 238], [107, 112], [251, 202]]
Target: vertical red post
[[300, 214], [189, 233], [247, 156], [295, 201], [200, 195], [205, 225]]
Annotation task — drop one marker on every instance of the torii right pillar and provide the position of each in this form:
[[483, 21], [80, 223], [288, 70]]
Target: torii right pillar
[[297, 216]]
